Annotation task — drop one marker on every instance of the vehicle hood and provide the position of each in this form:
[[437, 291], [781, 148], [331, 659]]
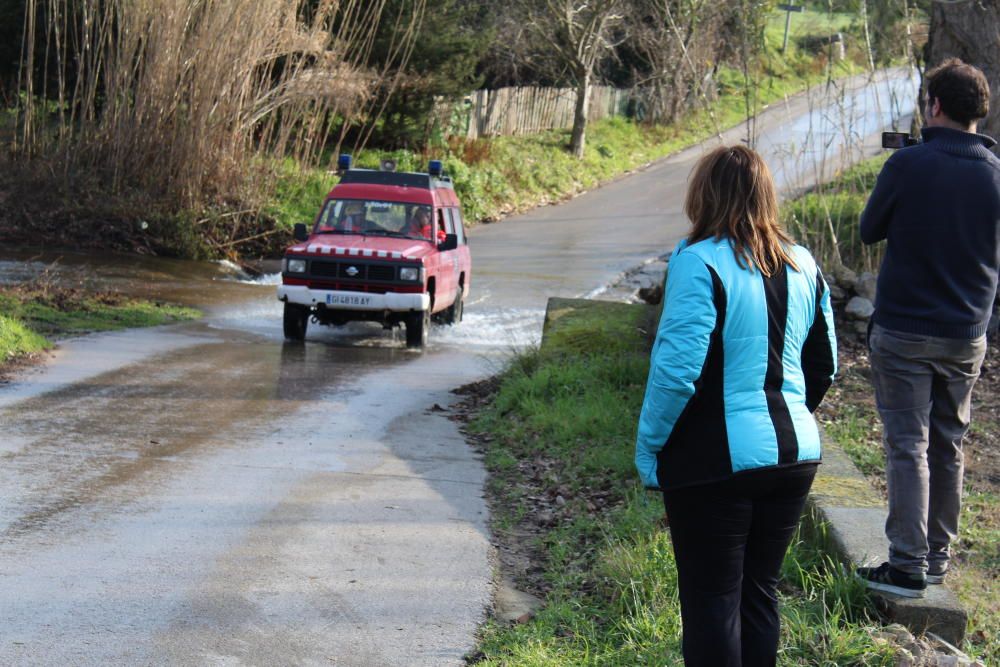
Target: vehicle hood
[[355, 245]]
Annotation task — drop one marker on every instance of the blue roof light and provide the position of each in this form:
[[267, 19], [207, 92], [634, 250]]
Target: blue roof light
[[344, 162], [435, 168]]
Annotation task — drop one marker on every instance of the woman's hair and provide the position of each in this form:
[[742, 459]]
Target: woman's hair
[[731, 195]]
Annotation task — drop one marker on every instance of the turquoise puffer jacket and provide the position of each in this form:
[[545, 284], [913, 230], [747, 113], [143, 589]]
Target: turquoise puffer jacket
[[739, 364]]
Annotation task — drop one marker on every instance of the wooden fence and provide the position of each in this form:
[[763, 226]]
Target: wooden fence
[[523, 110]]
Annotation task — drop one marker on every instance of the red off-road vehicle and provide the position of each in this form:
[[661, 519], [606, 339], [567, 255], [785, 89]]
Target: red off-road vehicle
[[387, 247]]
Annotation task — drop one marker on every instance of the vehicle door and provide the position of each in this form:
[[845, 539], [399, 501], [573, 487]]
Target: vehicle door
[[462, 253], [447, 281]]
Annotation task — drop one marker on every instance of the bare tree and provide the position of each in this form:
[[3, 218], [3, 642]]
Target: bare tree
[[577, 34], [969, 30], [678, 41]]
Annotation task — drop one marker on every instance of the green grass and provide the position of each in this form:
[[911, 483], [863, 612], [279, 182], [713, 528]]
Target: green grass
[[975, 581], [298, 193], [571, 409], [17, 340], [857, 429], [826, 219], [806, 24], [32, 316]]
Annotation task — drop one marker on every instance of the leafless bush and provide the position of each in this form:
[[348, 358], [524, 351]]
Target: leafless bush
[[679, 41]]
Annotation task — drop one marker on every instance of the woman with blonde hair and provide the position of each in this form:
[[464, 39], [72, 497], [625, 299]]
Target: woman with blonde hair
[[744, 353]]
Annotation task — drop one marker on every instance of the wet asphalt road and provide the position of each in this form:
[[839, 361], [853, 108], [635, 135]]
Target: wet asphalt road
[[205, 494]]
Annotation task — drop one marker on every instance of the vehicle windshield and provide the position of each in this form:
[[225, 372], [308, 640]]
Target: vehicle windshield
[[376, 218]]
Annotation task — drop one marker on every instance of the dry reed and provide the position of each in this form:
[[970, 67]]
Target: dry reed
[[177, 98]]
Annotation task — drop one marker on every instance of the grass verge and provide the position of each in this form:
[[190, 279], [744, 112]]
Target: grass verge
[[558, 436], [32, 315]]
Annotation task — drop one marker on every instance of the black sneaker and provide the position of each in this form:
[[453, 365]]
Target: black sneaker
[[890, 580], [936, 575]]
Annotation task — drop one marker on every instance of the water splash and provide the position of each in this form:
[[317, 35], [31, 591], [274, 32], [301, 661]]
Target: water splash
[[507, 328]]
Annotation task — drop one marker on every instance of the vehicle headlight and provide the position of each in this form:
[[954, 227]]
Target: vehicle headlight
[[296, 265], [409, 273]]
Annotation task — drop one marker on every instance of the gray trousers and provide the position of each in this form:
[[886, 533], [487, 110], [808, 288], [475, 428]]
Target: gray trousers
[[923, 387]]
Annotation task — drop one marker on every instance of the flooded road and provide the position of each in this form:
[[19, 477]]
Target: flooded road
[[206, 494]]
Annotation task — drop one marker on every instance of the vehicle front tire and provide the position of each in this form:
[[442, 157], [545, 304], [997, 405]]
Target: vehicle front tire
[[417, 327], [295, 321], [454, 313]]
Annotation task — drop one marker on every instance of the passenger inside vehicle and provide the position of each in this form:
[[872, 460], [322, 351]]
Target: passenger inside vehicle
[[353, 217]]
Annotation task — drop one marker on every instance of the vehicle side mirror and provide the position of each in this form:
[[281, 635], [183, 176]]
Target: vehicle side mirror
[[300, 232], [450, 242]]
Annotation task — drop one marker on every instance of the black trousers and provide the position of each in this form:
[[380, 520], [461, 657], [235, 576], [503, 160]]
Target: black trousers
[[729, 540]]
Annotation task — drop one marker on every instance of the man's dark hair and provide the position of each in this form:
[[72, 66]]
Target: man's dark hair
[[961, 89]]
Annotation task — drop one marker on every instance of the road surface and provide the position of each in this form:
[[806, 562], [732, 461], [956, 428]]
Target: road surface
[[205, 494]]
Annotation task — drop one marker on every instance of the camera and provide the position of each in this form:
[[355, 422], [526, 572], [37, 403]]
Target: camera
[[898, 140]]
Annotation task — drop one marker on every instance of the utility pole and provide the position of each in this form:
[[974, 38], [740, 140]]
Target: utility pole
[[788, 21]]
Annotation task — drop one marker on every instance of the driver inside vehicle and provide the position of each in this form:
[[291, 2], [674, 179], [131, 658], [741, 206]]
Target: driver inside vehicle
[[419, 223]]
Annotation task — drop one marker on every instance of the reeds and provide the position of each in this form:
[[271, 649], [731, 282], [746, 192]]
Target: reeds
[[178, 98]]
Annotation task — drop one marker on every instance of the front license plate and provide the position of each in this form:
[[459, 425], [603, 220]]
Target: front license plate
[[347, 300]]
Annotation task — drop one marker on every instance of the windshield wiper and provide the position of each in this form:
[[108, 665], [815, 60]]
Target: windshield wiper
[[335, 231]]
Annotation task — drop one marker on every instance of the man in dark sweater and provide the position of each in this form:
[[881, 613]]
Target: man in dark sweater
[[938, 206]]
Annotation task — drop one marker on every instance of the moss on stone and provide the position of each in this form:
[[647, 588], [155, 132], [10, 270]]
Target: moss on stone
[[846, 491]]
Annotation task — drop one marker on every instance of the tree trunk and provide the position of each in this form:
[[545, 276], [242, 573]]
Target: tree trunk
[[969, 30], [579, 138]]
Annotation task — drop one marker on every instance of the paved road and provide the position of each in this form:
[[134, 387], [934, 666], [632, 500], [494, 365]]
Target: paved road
[[207, 495]]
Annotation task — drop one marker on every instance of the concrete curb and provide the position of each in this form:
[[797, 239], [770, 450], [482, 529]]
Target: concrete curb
[[855, 515]]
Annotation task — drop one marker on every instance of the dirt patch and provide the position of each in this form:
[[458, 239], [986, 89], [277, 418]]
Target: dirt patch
[[518, 544], [527, 499], [852, 394], [11, 368]]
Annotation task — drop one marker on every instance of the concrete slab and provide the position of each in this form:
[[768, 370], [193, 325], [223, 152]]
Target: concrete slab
[[855, 516]]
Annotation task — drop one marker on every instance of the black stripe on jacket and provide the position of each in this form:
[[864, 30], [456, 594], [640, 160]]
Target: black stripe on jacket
[[776, 296], [698, 446], [817, 354]]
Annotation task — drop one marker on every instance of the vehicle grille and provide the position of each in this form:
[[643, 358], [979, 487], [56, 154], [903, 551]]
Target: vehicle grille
[[324, 269], [365, 271], [381, 272]]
